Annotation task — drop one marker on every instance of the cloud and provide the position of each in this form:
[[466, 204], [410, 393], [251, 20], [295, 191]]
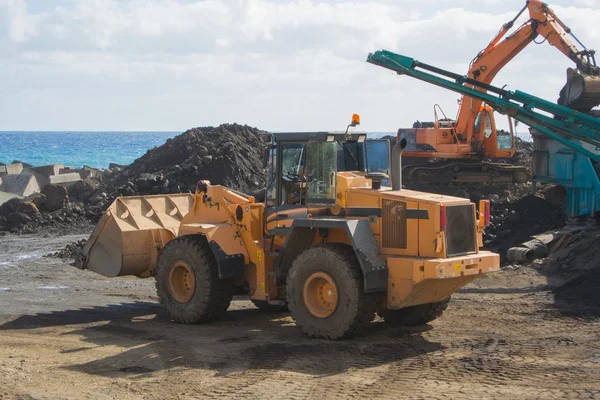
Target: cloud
[[280, 65]]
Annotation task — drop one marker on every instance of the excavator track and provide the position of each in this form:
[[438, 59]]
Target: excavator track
[[465, 172]]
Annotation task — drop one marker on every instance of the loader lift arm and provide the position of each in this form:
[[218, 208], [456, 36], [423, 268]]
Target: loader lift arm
[[502, 49]]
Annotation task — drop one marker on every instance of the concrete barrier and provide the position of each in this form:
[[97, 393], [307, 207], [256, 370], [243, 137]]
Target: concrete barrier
[[4, 197], [84, 172], [65, 179], [46, 170], [9, 169], [20, 184]]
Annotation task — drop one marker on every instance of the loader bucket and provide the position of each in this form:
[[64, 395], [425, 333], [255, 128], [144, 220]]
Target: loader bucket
[[131, 233], [582, 91]]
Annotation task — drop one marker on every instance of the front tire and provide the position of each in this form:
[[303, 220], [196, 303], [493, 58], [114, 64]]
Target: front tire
[[325, 292], [188, 284]]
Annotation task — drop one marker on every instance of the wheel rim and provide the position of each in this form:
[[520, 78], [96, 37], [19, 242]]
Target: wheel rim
[[320, 295], [182, 281]]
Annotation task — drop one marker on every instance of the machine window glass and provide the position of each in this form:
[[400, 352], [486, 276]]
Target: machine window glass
[[350, 156], [292, 158], [504, 140], [477, 127], [293, 179], [321, 170], [378, 158], [488, 126], [270, 195]]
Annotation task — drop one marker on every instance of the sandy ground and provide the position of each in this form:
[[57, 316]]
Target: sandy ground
[[71, 334]]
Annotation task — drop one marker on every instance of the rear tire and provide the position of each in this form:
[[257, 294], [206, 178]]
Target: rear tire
[[415, 315], [325, 292], [188, 284]]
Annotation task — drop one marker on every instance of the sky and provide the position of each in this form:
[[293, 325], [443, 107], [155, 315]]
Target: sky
[[279, 65]]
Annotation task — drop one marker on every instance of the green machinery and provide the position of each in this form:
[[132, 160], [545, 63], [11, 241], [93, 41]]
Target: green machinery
[[570, 148]]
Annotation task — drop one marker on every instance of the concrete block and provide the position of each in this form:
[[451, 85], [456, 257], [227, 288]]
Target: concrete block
[[13, 169], [20, 184], [4, 197], [84, 172], [2, 170], [65, 179], [47, 170]]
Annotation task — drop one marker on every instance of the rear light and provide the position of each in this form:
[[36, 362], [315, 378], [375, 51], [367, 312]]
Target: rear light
[[442, 218], [484, 213]]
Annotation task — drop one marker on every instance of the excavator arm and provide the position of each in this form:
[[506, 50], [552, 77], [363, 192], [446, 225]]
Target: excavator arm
[[543, 23]]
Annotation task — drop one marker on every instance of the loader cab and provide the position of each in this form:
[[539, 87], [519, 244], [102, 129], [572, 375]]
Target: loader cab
[[497, 143], [302, 178]]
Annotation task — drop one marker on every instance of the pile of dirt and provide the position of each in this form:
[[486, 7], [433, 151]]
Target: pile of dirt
[[582, 292], [514, 222], [71, 252], [229, 155]]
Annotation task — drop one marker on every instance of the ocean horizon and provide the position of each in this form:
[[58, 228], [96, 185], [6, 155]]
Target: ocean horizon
[[95, 149]]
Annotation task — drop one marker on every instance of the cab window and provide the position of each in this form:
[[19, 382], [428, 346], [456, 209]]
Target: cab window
[[292, 188], [487, 132], [504, 140], [321, 170]]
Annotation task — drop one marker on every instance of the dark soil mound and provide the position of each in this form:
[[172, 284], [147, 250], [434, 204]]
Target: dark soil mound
[[229, 155], [582, 293], [514, 223]]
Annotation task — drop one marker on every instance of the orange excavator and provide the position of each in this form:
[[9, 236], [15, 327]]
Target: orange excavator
[[466, 143]]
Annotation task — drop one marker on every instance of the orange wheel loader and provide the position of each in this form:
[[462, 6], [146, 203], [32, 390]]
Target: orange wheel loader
[[331, 241]]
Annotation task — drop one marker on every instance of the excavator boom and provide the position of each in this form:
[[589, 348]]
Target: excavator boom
[[473, 136], [582, 90]]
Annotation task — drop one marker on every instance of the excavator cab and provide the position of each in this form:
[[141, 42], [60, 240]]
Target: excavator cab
[[497, 143]]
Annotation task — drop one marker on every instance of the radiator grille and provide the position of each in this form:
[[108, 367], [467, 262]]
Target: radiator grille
[[393, 230], [460, 230]]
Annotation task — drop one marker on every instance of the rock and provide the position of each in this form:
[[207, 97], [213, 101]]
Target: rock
[[18, 219], [114, 166], [37, 198], [56, 197], [28, 208], [228, 148], [18, 206], [202, 150], [98, 197]]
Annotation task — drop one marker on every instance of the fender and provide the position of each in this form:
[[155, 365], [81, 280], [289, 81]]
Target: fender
[[226, 245], [302, 231]]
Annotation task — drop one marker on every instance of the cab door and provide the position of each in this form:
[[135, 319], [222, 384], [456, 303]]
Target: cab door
[[288, 191]]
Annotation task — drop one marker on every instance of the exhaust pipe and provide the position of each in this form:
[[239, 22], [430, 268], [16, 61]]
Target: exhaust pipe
[[397, 164]]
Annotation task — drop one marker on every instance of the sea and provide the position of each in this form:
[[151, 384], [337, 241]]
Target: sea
[[94, 149], [75, 149]]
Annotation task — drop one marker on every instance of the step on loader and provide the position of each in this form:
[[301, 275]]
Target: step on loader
[[331, 240]]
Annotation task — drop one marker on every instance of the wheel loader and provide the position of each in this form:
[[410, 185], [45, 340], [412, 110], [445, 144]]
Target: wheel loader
[[331, 241]]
